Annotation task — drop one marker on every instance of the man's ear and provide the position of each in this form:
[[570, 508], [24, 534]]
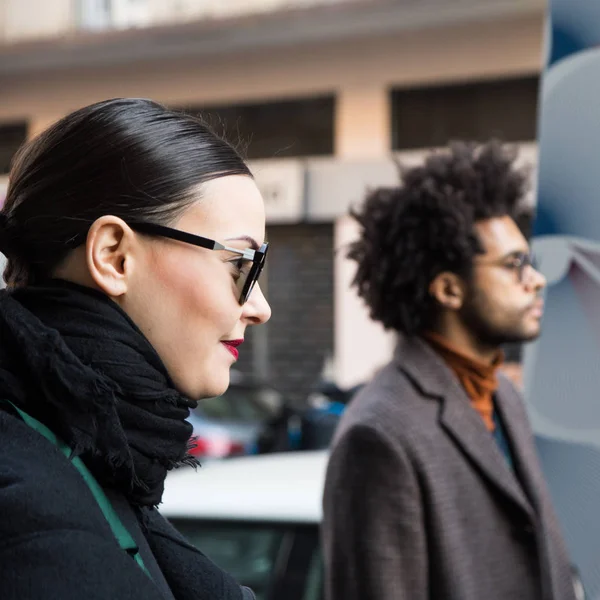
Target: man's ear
[[109, 255], [449, 290]]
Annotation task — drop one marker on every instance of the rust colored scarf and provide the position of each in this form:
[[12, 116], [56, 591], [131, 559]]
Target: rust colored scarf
[[477, 378]]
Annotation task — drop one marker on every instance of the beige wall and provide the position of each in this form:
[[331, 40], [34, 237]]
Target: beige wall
[[53, 17], [363, 126], [466, 52], [160, 11], [361, 346], [359, 73]]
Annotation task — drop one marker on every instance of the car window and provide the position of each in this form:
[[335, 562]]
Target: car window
[[302, 568], [246, 551], [274, 560], [244, 404], [314, 579], [216, 408]]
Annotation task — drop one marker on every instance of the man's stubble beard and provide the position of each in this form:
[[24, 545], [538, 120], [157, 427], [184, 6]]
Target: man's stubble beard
[[474, 315]]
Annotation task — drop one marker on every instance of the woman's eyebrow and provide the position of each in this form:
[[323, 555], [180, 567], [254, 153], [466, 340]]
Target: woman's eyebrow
[[246, 238]]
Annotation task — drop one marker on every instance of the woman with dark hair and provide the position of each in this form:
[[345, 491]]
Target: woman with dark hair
[[134, 238]]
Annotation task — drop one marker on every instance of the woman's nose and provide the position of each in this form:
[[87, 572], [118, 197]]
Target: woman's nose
[[256, 309]]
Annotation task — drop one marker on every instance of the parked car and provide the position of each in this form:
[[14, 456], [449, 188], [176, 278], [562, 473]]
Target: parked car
[[229, 425], [310, 427], [258, 518]]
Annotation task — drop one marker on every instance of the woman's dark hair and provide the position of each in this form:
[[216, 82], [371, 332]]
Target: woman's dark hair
[[131, 158], [412, 233]]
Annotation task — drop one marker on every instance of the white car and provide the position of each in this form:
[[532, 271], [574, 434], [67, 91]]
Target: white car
[[258, 518]]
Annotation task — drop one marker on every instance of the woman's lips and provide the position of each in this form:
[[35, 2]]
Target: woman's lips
[[232, 346]]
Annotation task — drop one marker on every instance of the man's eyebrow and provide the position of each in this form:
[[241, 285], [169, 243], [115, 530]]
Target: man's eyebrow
[[516, 253], [246, 238]]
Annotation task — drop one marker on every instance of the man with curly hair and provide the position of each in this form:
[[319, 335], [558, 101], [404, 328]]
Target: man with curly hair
[[434, 490]]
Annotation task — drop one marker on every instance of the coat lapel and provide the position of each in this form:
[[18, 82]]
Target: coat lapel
[[189, 573], [467, 429], [458, 419], [516, 425]]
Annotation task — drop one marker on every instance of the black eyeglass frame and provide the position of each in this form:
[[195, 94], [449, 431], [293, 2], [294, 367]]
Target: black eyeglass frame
[[257, 257], [526, 260]]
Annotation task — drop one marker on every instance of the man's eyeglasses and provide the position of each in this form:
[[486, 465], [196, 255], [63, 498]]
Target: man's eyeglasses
[[256, 257], [518, 262]]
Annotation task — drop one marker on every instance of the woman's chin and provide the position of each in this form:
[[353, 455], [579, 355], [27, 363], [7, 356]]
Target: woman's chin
[[212, 384], [217, 386]]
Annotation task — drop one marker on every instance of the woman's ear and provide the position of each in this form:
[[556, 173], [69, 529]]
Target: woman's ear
[[448, 289], [110, 255]]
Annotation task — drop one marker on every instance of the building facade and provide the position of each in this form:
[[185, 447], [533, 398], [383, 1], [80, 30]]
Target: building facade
[[322, 95]]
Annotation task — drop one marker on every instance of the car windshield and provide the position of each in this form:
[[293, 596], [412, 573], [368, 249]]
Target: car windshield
[[241, 403]]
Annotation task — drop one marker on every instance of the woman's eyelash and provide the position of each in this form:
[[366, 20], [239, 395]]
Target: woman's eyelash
[[238, 264]]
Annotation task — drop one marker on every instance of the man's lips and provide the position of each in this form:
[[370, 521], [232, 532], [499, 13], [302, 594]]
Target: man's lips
[[232, 346], [537, 309]]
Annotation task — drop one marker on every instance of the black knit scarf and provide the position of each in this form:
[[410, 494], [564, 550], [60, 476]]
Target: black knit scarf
[[70, 357]]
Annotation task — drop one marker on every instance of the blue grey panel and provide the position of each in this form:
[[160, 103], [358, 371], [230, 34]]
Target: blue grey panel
[[572, 472], [563, 367], [573, 27], [569, 199]]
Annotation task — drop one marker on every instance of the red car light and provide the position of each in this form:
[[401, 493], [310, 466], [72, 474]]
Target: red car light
[[217, 447]]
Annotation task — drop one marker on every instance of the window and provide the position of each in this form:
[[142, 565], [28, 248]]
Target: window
[[277, 129], [245, 551], [247, 404], [314, 589], [12, 136], [431, 116], [274, 560]]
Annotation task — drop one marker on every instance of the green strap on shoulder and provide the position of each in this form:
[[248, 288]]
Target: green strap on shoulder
[[124, 538]]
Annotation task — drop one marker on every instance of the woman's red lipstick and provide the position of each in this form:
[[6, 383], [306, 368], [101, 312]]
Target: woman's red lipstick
[[232, 346]]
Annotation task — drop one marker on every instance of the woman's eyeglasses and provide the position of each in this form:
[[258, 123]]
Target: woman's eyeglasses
[[256, 257]]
